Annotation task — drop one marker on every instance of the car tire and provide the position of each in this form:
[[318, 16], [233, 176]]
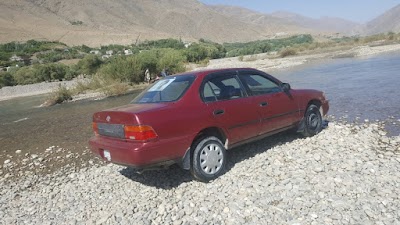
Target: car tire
[[312, 121], [208, 159]]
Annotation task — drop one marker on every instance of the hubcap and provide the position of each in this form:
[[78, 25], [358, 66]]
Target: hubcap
[[211, 159], [313, 121]]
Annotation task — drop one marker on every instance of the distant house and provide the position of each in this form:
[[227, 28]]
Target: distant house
[[128, 52], [105, 56], [95, 52], [187, 44], [16, 58], [110, 52]]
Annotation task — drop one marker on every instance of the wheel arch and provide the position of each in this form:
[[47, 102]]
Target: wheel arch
[[310, 102], [206, 132]]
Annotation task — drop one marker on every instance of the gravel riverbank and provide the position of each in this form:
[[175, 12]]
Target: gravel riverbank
[[347, 174]]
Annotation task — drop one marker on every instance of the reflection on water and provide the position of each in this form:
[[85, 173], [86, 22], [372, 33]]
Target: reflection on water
[[25, 126], [368, 88]]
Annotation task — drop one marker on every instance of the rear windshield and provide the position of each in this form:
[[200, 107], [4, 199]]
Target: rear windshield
[[168, 89]]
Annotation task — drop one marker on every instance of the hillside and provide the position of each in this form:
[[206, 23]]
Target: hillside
[[323, 24], [102, 22], [96, 22], [270, 23], [389, 21]]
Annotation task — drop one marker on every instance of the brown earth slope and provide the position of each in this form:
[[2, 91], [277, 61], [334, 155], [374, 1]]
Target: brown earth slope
[[389, 21], [119, 21]]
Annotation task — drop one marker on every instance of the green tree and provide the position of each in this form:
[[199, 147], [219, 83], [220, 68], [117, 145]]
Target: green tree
[[89, 64], [171, 59], [26, 75], [126, 69], [6, 79]]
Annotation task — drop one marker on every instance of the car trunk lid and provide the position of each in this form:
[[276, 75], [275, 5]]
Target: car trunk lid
[[113, 122]]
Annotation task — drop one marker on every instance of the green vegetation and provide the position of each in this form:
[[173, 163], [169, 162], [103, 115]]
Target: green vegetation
[[6, 79], [78, 22], [262, 46], [38, 61], [56, 55]]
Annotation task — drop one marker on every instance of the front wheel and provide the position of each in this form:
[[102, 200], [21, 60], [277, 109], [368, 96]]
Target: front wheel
[[209, 159], [312, 121]]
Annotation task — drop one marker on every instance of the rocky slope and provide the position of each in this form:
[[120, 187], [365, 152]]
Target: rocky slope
[[389, 21], [100, 22]]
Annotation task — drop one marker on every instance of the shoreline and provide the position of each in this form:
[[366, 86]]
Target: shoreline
[[260, 61]]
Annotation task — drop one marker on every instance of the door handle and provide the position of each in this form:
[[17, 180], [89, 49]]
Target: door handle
[[262, 104], [219, 112]]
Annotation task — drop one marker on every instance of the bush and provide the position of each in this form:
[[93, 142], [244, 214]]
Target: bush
[[51, 72], [58, 96], [287, 52], [26, 75], [89, 64], [262, 46], [125, 69], [171, 59], [115, 88], [163, 43], [6, 79]]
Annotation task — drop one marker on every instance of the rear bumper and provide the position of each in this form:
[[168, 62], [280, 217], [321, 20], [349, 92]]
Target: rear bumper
[[139, 155]]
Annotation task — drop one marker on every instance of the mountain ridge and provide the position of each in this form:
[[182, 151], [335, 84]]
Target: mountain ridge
[[102, 22]]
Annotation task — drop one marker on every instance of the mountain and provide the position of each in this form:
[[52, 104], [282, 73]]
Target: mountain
[[323, 24], [388, 21], [286, 21], [271, 23], [101, 22]]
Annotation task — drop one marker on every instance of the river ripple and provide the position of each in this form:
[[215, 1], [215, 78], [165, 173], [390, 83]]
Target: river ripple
[[358, 88]]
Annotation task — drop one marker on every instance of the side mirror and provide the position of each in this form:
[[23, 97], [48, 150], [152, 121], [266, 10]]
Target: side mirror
[[286, 87]]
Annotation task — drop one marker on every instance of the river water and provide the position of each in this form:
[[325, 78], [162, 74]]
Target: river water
[[357, 87]]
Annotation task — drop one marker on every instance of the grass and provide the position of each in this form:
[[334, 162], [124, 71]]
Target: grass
[[60, 95], [287, 52]]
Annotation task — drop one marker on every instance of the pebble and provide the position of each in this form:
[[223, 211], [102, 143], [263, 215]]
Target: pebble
[[18, 152], [343, 175]]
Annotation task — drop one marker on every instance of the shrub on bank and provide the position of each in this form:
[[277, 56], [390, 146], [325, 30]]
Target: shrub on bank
[[6, 79], [287, 52], [60, 95], [89, 64], [126, 69], [115, 88]]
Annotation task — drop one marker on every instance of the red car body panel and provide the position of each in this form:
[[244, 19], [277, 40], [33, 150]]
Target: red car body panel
[[179, 122]]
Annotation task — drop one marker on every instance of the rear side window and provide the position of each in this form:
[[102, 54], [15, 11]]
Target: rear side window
[[259, 85], [168, 89], [221, 88]]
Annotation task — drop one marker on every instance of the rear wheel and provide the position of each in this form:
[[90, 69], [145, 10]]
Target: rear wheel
[[209, 159], [312, 121]]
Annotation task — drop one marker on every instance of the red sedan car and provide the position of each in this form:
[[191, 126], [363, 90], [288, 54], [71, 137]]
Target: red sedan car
[[193, 118]]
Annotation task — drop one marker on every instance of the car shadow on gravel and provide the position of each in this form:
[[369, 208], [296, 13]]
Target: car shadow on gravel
[[174, 176], [163, 178]]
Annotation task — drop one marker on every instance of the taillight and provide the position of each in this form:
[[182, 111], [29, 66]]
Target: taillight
[[95, 129], [140, 133]]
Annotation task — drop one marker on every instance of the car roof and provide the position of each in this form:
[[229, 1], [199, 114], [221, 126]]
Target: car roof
[[209, 71]]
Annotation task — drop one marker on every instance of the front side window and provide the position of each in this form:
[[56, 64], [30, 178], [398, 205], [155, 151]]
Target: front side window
[[221, 88], [259, 85], [168, 89]]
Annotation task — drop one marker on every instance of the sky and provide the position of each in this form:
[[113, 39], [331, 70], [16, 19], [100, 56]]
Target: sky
[[360, 11]]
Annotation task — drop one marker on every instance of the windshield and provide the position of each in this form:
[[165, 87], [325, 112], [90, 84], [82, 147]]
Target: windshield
[[168, 89]]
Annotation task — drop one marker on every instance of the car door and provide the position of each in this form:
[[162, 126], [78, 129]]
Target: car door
[[232, 109], [277, 109]]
